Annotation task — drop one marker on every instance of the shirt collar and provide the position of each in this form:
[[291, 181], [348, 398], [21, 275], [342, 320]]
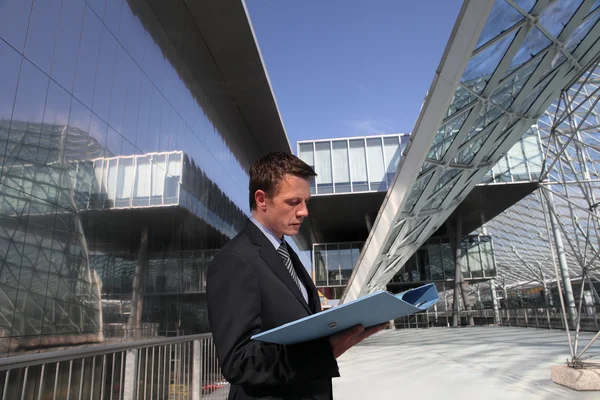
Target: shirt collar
[[275, 241]]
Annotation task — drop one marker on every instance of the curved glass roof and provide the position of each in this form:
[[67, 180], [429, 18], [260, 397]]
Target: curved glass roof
[[493, 83], [570, 137]]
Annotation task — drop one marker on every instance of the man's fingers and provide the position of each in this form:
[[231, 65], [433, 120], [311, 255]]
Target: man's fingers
[[371, 331]]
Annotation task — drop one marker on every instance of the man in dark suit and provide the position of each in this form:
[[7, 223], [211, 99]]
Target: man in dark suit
[[256, 282]]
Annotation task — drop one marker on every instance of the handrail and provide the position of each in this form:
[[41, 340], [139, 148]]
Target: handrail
[[27, 360]]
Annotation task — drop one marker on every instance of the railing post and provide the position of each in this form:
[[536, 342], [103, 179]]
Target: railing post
[[196, 371], [130, 374]]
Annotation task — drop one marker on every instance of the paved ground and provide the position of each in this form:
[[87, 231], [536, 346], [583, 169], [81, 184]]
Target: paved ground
[[461, 363]]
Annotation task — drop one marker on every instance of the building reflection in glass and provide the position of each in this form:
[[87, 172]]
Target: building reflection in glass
[[117, 179]]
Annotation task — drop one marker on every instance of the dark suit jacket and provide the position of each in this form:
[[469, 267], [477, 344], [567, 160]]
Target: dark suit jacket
[[249, 290]]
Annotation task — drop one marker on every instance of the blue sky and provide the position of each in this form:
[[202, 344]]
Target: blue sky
[[349, 68]]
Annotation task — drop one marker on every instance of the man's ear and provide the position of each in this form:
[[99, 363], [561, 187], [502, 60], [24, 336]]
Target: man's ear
[[261, 199]]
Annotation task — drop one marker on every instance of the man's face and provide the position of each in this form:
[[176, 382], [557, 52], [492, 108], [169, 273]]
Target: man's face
[[284, 212]]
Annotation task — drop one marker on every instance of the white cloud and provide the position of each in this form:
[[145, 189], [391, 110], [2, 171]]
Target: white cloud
[[364, 127]]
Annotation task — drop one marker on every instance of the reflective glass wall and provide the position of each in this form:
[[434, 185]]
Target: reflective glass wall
[[434, 261], [522, 163], [358, 164], [113, 175]]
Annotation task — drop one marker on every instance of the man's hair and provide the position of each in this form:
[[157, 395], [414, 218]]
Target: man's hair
[[267, 172]]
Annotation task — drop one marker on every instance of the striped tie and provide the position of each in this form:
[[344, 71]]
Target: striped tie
[[287, 260]]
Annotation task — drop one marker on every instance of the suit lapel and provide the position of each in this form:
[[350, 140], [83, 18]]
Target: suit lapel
[[274, 261]]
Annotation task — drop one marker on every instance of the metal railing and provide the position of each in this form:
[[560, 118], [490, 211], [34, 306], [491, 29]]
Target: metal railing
[[526, 317], [182, 367], [125, 331]]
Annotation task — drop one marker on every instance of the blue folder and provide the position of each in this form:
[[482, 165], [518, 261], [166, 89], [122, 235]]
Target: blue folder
[[370, 310]]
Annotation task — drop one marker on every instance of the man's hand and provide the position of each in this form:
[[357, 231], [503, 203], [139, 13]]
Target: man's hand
[[340, 342]]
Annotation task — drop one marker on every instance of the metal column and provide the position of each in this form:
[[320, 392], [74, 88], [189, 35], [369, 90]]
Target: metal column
[[562, 261], [494, 301], [457, 270]]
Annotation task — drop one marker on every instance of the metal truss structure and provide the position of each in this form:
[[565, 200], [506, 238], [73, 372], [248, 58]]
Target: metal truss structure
[[554, 234], [494, 82]]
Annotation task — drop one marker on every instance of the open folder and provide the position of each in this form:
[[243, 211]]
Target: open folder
[[370, 310]]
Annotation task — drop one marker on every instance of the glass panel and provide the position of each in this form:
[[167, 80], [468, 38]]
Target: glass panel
[[346, 262], [533, 153], [124, 78], [557, 15], [114, 143], [447, 259], [416, 192], [518, 162], [424, 268], [435, 259], [487, 260], [341, 170], [10, 63], [132, 35], [125, 181], [581, 32], [445, 135], [534, 43], [142, 182], [111, 179], [472, 245], [375, 164], [158, 178], [525, 5], [306, 153], [483, 65], [501, 171], [67, 42], [320, 266], [501, 18], [323, 168], [358, 165], [104, 75], [14, 19], [43, 25], [112, 15], [391, 148], [98, 6], [87, 59], [412, 270], [333, 265]]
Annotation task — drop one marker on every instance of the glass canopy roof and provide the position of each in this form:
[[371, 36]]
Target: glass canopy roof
[[494, 81], [570, 138]]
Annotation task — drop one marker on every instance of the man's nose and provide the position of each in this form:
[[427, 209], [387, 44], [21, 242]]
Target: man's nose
[[303, 210]]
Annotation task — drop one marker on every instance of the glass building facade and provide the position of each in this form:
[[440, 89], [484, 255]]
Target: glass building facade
[[358, 164], [118, 179], [369, 164], [433, 262]]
